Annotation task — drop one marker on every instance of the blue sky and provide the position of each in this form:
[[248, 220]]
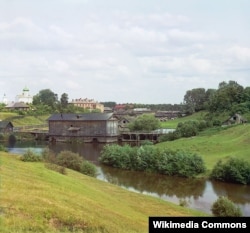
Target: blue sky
[[123, 51]]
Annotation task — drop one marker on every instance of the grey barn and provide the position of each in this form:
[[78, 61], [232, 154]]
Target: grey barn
[[87, 127]]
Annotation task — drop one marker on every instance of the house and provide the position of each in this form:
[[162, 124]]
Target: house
[[17, 106], [123, 122], [235, 119], [6, 127], [87, 127], [167, 115], [89, 104], [107, 110], [139, 111]]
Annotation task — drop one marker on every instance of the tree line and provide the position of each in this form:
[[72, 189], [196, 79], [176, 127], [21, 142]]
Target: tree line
[[229, 96]]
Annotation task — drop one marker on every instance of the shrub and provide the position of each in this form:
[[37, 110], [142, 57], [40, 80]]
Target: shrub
[[148, 158], [233, 170], [48, 156], [30, 156], [223, 207], [88, 169], [180, 163], [151, 159], [56, 168], [2, 148], [70, 160], [116, 156], [75, 162], [216, 123], [188, 128]]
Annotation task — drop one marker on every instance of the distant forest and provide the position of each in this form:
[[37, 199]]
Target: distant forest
[[229, 97]]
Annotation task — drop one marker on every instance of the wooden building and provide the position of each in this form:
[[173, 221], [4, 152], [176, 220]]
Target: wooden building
[[167, 115], [235, 119], [18, 106], [6, 127], [87, 127]]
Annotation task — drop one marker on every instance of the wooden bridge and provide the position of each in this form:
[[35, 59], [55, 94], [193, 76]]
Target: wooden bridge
[[37, 131], [143, 136], [40, 133]]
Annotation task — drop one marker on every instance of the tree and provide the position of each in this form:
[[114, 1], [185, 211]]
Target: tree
[[64, 100], [227, 95], [144, 122], [46, 97], [195, 99]]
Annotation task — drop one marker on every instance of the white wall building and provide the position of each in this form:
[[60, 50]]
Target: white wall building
[[25, 97], [5, 100]]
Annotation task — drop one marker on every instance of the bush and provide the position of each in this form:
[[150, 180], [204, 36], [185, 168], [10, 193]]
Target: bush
[[88, 169], [151, 159], [2, 148], [188, 128], [70, 160], [30, 156], [233, 170], [48, 156], [223, 207], [75, 162], [56, 168], [180, 163]]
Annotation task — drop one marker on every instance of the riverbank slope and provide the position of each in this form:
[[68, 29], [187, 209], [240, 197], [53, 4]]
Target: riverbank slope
[[216, 143], [36, 199]]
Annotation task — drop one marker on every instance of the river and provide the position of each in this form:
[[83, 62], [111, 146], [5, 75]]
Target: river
[[198, 194]]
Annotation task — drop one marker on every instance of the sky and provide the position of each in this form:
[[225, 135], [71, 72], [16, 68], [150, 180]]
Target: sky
[[133, 51]]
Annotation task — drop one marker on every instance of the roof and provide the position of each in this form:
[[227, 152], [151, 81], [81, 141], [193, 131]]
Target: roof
[[80, 117], [17, 105], [4, 124]]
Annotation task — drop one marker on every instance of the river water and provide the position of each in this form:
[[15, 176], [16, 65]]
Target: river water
[[198, 194]]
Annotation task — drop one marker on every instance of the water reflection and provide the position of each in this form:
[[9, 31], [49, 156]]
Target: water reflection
[[199, 194], [239, 194], [153, 183]]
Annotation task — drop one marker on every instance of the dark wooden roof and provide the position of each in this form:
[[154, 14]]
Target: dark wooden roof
[[80, 117], [18, 105], [4, 124]]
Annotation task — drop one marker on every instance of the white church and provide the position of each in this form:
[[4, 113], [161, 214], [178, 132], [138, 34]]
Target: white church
[[25, 97]]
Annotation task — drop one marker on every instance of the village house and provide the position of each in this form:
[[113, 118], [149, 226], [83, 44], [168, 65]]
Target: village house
[[17, 106], [6, 127], [89, 104], [87, 127], [235, 119], [167, 115]]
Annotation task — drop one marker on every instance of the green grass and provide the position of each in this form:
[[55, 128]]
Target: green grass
[[29, 120], [18, 120], [215, 144], [5, 115], [172, 124], [36, 199]]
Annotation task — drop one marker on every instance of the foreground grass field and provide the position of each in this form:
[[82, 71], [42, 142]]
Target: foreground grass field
[[35, 199], [215, 144]]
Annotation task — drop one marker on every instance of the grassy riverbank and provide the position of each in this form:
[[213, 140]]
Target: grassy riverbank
[[215, 144], [35, 199]]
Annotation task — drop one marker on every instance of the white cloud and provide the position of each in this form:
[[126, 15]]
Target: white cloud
[[117, 51], [240, 53]]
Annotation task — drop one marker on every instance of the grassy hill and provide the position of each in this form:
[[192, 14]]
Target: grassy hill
[[18, 120], [36, 199], [215, 144]]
